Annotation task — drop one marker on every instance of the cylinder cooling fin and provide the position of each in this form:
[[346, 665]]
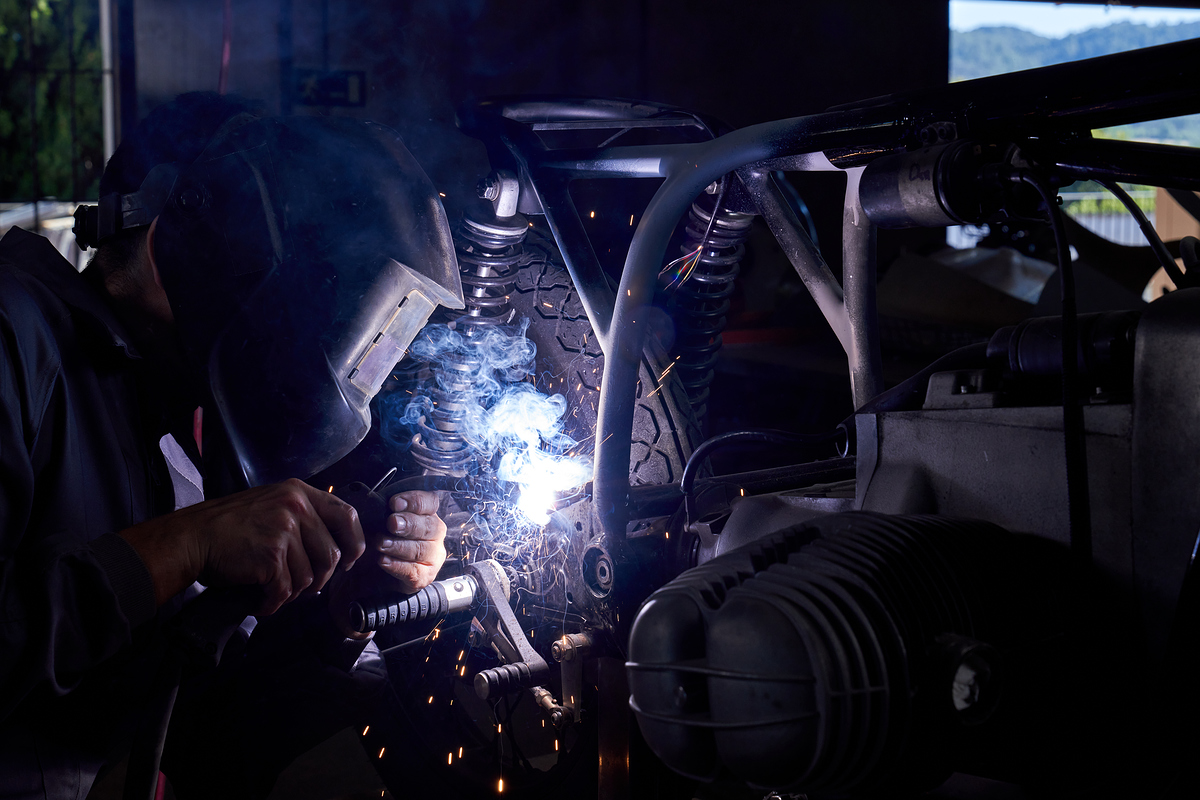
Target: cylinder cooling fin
[[854, 653]]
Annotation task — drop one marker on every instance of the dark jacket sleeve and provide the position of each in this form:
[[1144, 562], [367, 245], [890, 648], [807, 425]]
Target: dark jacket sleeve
[[67, 600], [296, 683]]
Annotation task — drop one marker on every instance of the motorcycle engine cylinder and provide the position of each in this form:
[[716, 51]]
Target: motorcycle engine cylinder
[[854, 652]]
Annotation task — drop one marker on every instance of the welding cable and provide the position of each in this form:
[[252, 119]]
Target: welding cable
[[1078, 502], [765, 436], [425, 483], [1156, 242]]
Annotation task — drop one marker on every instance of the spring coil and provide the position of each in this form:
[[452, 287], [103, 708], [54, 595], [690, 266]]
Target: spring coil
[[490, 254], [701, 302]]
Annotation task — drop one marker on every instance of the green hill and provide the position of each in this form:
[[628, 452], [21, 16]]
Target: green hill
[[994, 50], [991, 51]]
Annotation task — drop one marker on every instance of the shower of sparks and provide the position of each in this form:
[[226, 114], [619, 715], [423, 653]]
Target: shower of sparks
[[523, 463]]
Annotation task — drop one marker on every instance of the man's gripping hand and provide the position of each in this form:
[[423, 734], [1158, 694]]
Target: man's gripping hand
[[413, 546], [405, 549], [287, 537]]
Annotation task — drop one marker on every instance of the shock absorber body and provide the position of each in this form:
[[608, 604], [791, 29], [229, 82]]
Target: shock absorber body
[[490, 252], [701, 300]]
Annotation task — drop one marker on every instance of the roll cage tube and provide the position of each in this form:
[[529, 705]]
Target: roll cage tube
[[1063, 101]]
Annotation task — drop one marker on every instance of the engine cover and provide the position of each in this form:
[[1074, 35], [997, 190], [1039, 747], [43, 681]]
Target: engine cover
[[859, 651]]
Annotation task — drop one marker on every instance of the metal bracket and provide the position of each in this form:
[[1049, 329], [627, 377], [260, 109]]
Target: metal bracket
[[525, 667]]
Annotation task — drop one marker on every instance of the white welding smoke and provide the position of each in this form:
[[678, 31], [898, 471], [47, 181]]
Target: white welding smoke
[[509, 424]]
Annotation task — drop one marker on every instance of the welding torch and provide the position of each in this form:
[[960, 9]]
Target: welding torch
[[438, 599]]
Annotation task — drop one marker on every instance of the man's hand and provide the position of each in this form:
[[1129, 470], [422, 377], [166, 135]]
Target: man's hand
[[413, 548], [404, 557], [287, 537]]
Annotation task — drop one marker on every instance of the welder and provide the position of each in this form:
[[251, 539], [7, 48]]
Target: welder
[[255, 280]]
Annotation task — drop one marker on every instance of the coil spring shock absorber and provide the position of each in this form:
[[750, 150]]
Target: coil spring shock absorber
[[490, 253], [701, 300]]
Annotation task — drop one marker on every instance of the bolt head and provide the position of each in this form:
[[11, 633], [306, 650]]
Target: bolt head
[[488, 188]]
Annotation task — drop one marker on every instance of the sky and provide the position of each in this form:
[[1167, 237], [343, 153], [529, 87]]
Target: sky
[[1057, 20]]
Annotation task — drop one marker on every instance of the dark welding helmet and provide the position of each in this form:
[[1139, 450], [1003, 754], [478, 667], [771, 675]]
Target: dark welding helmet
[[300, 256]]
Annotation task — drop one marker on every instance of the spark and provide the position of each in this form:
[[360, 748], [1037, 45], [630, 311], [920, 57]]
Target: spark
[[592, 214], [461, 653], [449, 758], [556, 745], [430, 699], [743, 491], [631, 220], [500, 786], [441, 194], [366, 729], [629, 292], [381, 751], [460, 752], [498, 727], [331, 488]]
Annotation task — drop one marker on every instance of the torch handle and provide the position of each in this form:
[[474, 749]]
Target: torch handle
[[435, 600]]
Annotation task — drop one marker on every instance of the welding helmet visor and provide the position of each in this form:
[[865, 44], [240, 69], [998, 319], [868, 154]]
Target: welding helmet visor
[[300, 257]]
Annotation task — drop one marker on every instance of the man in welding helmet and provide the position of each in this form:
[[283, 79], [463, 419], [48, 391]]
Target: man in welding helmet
[[270, 272]]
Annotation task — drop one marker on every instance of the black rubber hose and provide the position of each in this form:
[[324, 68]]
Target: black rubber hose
[[145, 755], [688, 480], [1078, 500], [1156, 243], [910, 394]]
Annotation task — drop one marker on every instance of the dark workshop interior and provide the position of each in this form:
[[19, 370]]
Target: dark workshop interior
[[800, 430]]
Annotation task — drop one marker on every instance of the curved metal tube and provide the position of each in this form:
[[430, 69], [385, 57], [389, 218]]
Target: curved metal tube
[[687, 169], [858, 282]]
